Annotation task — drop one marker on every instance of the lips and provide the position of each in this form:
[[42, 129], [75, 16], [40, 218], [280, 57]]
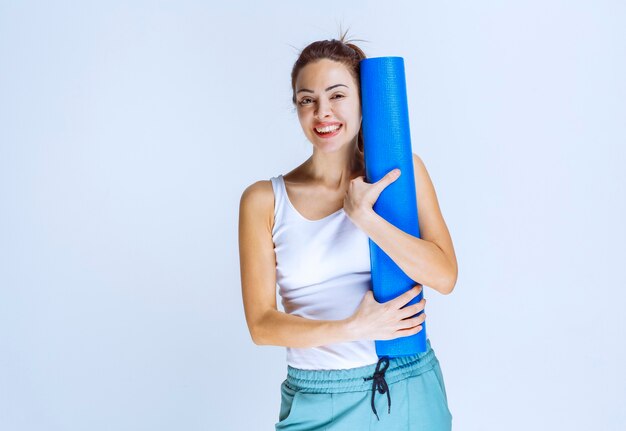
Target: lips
[[330, 134], [327, 123]]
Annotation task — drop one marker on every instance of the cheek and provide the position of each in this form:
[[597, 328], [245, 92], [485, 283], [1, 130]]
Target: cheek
[[301, 116], [305, 121], [355, 108], [356, 117], [303, 113]]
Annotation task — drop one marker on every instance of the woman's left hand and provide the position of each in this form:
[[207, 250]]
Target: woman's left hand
[[361, 196]]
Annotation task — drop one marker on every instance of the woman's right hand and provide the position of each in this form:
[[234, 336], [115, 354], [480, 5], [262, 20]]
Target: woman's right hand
[[385, 321]]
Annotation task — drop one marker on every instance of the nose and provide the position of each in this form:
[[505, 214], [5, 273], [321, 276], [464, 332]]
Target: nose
[[323, 109]]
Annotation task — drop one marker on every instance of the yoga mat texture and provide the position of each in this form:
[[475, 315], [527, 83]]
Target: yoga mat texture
[[386, 146]]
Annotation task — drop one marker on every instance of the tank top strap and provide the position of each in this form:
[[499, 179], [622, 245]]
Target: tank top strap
[[279, 201]]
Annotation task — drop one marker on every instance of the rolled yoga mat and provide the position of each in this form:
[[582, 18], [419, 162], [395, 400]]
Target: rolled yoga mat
[[386, 146]]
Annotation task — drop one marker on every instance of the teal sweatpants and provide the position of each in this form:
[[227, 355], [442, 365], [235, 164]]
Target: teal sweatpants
[[399, 393]]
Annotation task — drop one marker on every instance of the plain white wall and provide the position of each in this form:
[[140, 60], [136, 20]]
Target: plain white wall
[[128, 131]]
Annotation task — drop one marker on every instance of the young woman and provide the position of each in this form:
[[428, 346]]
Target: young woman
[[308, 231]]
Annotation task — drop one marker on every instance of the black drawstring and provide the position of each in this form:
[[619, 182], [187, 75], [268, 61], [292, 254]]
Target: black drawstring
[[379, 383]]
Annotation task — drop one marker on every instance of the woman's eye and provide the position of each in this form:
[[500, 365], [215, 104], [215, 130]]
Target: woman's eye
[[304, 101]]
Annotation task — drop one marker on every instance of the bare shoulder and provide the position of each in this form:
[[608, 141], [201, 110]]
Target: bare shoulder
[[257, 200], [257, 259], [419, 166], [432, 225], [261, 190], [423, 183]]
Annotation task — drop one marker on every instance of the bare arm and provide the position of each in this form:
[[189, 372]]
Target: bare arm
[[257, 260], [282, 329], [429, 260]]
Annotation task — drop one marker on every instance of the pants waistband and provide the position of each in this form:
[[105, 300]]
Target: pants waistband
[[354, 379]]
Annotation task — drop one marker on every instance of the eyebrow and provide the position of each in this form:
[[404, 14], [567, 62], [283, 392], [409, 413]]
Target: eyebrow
[[329, 88]]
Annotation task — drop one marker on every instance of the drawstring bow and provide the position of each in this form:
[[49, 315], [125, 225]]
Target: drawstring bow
[[379, 383]]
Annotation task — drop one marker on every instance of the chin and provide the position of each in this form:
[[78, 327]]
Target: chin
[[330, 147]]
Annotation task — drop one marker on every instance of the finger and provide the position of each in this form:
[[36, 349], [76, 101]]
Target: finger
[[407, 296], [413, 321], [410, 331], [413, 309], [387, 179]]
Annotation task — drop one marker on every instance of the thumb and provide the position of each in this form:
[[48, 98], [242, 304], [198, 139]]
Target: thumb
[[389, 178]]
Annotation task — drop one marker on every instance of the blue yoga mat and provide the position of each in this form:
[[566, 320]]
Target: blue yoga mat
[[386, 146]]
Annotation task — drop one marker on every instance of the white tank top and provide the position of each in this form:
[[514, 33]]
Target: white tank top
[[322, 272]]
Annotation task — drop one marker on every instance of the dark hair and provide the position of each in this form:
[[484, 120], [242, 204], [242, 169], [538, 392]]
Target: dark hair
[[341, 51]]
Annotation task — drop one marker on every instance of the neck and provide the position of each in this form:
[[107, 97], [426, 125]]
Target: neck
[[336, 169]]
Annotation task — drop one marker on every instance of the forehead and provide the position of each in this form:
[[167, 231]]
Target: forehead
[[323, 73]]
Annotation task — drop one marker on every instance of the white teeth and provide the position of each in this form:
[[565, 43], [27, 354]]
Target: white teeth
[[327, 129]]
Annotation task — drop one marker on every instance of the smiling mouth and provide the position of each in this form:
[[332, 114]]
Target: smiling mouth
[[332, 132]]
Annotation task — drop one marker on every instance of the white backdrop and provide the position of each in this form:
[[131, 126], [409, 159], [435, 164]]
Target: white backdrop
[[128, 131]]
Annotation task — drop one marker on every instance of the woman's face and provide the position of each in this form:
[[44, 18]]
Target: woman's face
[[327, 96]]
